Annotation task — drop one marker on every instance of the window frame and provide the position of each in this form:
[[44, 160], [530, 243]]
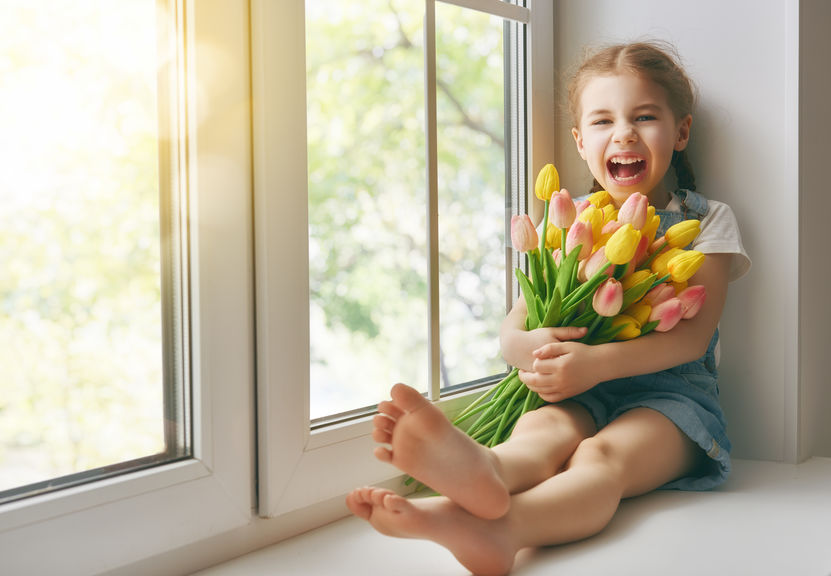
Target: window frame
[[121, 520], [204, 505], [298, 466]]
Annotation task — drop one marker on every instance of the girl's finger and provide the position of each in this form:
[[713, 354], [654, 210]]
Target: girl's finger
[[569, 332]]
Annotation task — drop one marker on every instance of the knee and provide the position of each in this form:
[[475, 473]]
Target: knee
[[598, 452], [554, 419]]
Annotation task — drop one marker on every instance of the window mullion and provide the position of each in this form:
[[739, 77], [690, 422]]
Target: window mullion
[[431, 138]]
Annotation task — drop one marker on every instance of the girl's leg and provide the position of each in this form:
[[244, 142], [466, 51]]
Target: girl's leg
[[541, 444], [425, 445], [636, 453]]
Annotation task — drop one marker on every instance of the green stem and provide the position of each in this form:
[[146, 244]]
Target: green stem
[[648, 262]]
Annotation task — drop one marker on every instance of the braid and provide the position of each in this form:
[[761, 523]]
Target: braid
[[683, 170], [596, 187]]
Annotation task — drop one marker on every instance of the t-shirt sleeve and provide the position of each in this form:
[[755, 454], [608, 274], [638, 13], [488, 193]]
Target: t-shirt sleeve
[[720, 235]]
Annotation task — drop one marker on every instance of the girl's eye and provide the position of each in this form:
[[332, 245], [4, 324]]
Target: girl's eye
[[645, 118], [600, 122]]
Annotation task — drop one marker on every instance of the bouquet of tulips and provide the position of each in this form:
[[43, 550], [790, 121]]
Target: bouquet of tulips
[[595, 267]]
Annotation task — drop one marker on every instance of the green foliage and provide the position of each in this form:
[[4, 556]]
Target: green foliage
[[367, 196], [80, 312]]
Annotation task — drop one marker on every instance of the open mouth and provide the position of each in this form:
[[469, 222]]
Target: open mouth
[[626, 169]]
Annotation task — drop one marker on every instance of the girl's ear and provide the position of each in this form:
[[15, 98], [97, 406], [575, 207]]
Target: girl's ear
[[683, 133], [578, 140]]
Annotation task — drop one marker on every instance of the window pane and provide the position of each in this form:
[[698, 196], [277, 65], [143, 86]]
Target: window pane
[[367, 201], [472, 207], [82, 385]]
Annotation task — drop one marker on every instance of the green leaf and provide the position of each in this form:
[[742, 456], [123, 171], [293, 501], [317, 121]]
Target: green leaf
[[637, 291], [536, 273], [553, 312], [649, 327], [567, 274], [533, 319], [551, 273]]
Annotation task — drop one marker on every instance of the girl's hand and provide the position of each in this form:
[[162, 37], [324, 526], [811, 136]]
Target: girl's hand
[[526, 343], [561, 370]]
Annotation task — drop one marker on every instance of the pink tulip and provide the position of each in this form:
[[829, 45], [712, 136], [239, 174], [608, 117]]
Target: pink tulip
[[661, 293], [591, 265], [633, 211], [580, 234], [640, 252], [557, 254], [692, 298], [668, 313], [523, 234], [581, 205], [562, 209], [610, 227], [658, 244], [608, 298]]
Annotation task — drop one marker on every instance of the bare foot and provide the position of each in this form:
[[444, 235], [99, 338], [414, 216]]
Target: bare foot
[[482, 546], [427, 446]]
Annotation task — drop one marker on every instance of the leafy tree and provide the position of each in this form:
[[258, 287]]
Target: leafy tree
[[367, 197]]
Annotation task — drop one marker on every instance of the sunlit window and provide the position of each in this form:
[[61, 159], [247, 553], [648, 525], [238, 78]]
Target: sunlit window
[[368, 208], [88, 244]]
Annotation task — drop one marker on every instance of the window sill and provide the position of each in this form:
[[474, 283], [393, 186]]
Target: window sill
[[768, 519]]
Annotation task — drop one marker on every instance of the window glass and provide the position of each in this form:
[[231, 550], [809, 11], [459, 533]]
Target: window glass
[[367, 201], [368, 254], [84, 383], [470, 106]]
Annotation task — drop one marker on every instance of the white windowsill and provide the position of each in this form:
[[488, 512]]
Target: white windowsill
[[768, 519]]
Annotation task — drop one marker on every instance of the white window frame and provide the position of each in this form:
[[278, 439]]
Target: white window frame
[[299, 467], [111, 523], [208, 503]]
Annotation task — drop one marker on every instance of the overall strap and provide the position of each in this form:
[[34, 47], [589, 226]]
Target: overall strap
[[693, 204]]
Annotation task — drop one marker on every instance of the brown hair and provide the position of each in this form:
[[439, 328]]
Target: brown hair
[[659, 63]]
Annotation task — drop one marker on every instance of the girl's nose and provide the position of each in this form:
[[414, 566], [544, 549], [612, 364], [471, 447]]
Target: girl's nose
[[626, 134]]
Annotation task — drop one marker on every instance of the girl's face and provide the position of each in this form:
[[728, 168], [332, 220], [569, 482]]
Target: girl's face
[[627, 133]]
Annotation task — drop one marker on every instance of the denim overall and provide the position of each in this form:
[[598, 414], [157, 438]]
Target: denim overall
[[686, 394]]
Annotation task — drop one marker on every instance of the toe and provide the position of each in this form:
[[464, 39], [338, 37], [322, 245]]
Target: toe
[[407, 398], [390, 410], [381, 436], [383, 454]]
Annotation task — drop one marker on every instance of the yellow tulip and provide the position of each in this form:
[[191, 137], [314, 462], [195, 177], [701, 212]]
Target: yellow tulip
[[683, 233], [609, 213], [640, 311], [635, 278], [661, 262], [683, 266], [552, 237], [592, 216], [548, 182], [622, 245], [632, 329], [600, 198], [653, 221], [679, 287]]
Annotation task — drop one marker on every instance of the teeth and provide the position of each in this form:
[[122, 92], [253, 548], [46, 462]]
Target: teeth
[[628, 160]]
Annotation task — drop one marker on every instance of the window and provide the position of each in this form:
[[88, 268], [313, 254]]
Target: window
[[83, 392], [107, 218], [404, 194], [236, 83], [369, 254]]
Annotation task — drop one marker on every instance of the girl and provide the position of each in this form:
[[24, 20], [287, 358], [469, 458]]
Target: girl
[[622, 418]]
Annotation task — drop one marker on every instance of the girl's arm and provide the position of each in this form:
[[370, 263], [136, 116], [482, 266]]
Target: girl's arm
[[561, 370], [518, 344]]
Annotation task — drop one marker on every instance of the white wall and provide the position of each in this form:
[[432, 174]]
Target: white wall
[[744, 150]]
